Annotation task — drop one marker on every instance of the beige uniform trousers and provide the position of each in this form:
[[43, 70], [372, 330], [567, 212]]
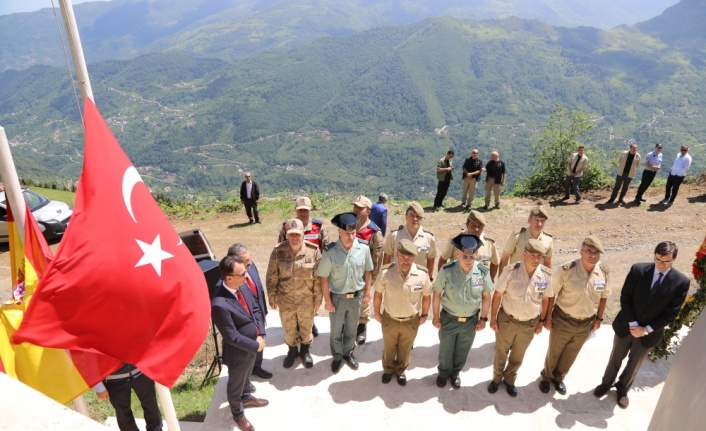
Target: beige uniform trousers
[[297, 323], [565, 341], [398, 340], [469, 190], [513, 338], [490, 185]]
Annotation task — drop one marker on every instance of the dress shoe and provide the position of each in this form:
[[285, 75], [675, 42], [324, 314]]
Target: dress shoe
[[544, 386], [292, 355], [314, 331], [352, 361], [636, 202], [456, 382], [262, 373], [601, 390], [249, 388], [440, 381], [511, 389], [361, 333], [643, 200], [386, 378], [609, 202], [566, 198], [258, 222], [244, 424], [492, 387], [252, 221], [336, 365], [402, 380], [255, 402], [578, 201], [560, 387], [623, 400], [621, 202]]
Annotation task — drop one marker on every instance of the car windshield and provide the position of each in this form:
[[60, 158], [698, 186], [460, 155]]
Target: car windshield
[[33, 200]]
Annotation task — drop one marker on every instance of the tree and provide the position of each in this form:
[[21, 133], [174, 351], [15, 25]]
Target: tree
[[559, 140]]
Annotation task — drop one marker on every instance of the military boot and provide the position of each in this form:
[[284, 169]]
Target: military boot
[[361, 333], [306, 357], [291, 357]]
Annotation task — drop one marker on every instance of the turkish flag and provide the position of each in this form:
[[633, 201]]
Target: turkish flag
[[122, 283]]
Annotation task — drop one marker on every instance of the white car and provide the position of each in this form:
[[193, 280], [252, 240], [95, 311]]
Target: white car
[[52, 216]]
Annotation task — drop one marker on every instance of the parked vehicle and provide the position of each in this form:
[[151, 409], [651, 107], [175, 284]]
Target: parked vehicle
[[52, 216]]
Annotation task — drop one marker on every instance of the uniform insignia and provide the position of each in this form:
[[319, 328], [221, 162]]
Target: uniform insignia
[[524, 228], [449, 264], [488, 239], [430, 233], [517, 264], [399, 228], [604, 268], [546, 269], [423, 268], [547, 234], [310, 245], [482, 268], [330, 246], [569, 265], [373, 226]]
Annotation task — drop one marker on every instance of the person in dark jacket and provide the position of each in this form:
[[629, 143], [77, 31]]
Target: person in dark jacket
[[249, 197]]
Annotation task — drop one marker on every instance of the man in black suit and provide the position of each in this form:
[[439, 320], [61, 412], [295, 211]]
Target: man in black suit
[[234, 311], [253, 282], [249, 196], [652, 296]]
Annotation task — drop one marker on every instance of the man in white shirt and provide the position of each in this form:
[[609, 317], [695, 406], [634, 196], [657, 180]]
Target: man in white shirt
[[676, 175], [653, 162]]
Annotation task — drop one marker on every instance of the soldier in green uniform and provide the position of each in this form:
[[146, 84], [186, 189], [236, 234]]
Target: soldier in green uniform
[[294, 289], [487, 253], [462, 291], [519, 311], [581, 289], [515, 244]]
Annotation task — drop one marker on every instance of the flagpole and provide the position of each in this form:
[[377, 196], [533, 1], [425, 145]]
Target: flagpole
[[13, 189], [67, 13], [165, 398]]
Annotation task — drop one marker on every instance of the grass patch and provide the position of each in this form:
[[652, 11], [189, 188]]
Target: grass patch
[[56, 195]]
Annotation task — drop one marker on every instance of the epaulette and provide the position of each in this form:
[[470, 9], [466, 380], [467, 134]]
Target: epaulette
[[547, 234], [488, 239], [399, 228], [524, 228], [546, 269], [423, 268], [316, 221], [426, 231], [310, 244], [483, 269], [330, 245], [567, 266], [517, 264], [373, 226], [449, 264], [604, 268]]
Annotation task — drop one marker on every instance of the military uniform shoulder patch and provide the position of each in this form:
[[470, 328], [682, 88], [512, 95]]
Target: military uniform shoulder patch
[[547, 234], [517, 265], [399, 228], [310, 245], [483, 269], [546, 269], [331, 245], [423, 268], [605, 268], [426, 231], [524, 228], [567, 266], [449, 264]]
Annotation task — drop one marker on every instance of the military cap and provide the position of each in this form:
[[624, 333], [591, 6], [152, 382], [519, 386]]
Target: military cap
[[362, 202], [345, 221], [539, 211], [535, 246], [594, 242], [294, 225], [417, 208], [476, 216], [303, 203], [467, 243], [658, 145], [407, 247]]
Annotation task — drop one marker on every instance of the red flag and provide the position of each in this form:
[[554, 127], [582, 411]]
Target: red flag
[[122, 283]]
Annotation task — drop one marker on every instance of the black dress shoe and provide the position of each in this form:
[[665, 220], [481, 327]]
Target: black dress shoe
[[314, 331], [623, 400], [335, 366], [386, 378], [249, 388], [352, 361], [601, 390], [560, 387], [643, 200], [609, 202], [402, 380], [440, 381], [243, 424], [361, 333], [262, 373], [511, 389], [544, 386], [456, 382], [255, 402], [492, 387]]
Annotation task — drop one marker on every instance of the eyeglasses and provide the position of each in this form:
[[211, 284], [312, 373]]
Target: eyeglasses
[[666, 262], [591, 252], [468, 257], [238, 275]]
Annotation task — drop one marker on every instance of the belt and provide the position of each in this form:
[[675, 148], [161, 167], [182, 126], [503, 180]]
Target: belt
[[134, 373], [349, 295], [402, 319], [460, 319], [563, 314], [516, 319]]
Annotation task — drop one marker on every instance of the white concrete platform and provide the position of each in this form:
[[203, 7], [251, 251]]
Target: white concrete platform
[[184, 426], [352, 400]]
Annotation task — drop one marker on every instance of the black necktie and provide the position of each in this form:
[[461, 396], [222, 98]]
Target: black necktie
[[659, 280], [576, 165]]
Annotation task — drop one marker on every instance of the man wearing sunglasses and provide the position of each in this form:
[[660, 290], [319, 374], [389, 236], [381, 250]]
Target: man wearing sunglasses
[[461, 303]]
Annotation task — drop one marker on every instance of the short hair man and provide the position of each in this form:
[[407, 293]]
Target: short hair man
[[413, 231], [652, 295], [314, 230], [294, 289], [472, 170], [444, 175], [494, 178], [653, 162], [345, 276], [249, 197], [627, 166], [574, 170], [378, 213], [487, 253], [461, 303], [403, 288], [680, 167], [523, 290], [236, 315], [369, 234], [581, 288], [515, 244]]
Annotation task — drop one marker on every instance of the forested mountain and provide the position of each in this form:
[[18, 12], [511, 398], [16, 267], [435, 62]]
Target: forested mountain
[[373, 110], [232, 29]]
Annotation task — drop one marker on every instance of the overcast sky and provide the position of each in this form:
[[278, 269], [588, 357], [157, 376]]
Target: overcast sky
[[14, 6]]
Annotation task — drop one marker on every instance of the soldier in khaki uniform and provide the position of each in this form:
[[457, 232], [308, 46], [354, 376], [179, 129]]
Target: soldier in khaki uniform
[[515, 244], [293, 288], [369, 234], [523, 290], [487, 253], [405, 287], [581, 289], [413, 231]]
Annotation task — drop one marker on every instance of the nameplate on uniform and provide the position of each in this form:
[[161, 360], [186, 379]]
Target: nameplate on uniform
[[540, 286], [599, 285], [423, 249], [416, 287]]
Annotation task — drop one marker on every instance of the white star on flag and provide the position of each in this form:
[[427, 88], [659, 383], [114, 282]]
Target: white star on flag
[[153, 255]]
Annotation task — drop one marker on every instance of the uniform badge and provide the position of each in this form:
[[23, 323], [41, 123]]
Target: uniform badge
[[599, 285], [423, 249], [540, 286]]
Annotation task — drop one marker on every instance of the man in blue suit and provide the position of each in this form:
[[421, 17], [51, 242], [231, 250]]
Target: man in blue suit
[[235, 313], [652, 296]]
